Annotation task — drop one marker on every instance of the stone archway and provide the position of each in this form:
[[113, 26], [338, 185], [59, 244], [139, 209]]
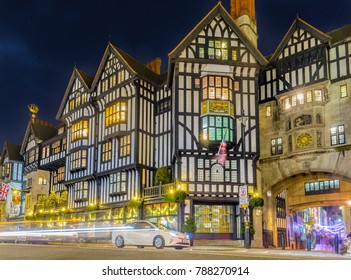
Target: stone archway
[[332, 190]]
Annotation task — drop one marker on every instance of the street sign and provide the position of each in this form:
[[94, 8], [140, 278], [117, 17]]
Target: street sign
[[243, 197]]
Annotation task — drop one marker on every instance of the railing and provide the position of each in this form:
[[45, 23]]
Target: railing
[[158, 191]]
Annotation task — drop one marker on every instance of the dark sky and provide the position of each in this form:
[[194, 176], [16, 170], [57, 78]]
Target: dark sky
[[41, 41]]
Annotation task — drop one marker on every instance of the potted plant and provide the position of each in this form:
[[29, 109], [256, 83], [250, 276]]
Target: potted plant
[[189, 227]]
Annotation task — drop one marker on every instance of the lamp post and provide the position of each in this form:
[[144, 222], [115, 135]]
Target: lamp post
[[243, 120]]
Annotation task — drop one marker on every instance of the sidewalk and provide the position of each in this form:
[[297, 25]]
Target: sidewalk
[[276, 252]]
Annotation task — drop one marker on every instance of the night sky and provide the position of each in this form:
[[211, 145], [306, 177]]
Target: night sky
[[41, 41]]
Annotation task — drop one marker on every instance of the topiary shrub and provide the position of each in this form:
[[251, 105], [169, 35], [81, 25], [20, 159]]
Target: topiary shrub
[[162, 176]]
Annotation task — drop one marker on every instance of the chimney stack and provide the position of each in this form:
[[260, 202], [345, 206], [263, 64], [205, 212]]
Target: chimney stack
[[155, 65], [243, 13]]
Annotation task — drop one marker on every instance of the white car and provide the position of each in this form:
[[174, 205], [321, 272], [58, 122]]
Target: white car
[[145, 233]]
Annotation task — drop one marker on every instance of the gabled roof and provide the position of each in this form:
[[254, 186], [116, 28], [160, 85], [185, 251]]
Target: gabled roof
[[41, 130], [217, 10], [139, 68], [134, 66], [12, 151], [86, 81], [340, 34], [299, 23]]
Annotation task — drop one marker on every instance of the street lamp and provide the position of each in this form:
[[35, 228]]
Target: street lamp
[[243, 120]]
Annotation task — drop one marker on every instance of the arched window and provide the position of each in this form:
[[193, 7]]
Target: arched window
[[217, 173]]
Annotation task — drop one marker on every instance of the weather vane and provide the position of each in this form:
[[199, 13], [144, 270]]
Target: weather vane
[[34, 109]]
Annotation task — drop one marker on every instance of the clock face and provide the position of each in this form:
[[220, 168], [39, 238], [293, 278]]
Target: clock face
[[304, 139]]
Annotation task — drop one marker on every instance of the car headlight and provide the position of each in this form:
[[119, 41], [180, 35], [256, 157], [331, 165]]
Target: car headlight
[[172, 234]]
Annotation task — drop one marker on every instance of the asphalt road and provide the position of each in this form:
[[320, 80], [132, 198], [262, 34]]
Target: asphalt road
[[109, 252]]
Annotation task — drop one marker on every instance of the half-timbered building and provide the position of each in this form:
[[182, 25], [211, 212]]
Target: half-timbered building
[[11, 173], [283, 121], [36, 180], [213, 75]]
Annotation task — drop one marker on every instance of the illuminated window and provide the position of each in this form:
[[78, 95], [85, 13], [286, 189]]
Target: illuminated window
[[42, 181], [328, 186], [78, 97], [201, 52], [79, 130], [269, 111], [106, 153], [343, 91], [309, 96], [214, 128], [116, 113], [124, 146], [7, 169], [56, 147], [78, 159], [61, 174], [118, 183], [217, 87], [287, 104], [81, 191], [217, 49], [277, 146], [280, 207], [234, 55], [214, 218], [45, 152], [337, 135], [318, 95]]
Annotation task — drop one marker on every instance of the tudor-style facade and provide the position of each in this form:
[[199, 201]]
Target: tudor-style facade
[[11, 173], [213, 76], [36, 180], [304, 118], [284, 118]]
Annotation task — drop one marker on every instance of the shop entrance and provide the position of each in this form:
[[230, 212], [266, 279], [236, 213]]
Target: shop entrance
[[217, 221]]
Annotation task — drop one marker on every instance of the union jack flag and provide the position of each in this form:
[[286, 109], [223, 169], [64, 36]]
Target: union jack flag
[[222, 152], [4, 190]]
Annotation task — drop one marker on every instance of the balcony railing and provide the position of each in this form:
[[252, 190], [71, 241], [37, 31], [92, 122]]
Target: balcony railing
[[158, 191]]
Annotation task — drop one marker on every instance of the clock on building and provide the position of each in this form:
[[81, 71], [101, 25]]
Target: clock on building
[[304, 139]]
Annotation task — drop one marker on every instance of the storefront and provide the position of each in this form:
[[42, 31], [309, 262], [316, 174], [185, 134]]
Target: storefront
[[217, 221]]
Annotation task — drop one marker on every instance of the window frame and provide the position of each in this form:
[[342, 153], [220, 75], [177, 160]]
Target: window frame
[[114, 113], [106, 151], [78, 129], [335, 137], [78, 160], [276, 145], [124, 146]]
